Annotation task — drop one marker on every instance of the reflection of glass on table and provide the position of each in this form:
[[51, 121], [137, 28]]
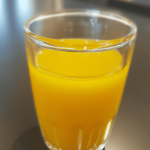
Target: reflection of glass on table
[[78, 63]]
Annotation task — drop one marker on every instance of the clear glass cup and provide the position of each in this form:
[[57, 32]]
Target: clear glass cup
[[78, 62]]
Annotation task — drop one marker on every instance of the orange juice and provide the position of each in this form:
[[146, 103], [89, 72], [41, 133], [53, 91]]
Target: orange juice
[[77, 94]]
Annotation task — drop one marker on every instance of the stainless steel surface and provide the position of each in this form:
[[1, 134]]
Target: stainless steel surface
[[17, 114], [141, 2]]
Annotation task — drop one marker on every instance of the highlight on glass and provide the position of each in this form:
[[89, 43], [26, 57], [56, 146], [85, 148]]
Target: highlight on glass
[[78, 62]]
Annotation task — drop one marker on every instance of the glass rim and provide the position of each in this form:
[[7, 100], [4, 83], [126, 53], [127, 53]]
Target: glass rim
[[78, 12]]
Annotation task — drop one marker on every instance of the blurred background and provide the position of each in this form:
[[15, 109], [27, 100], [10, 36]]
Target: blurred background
[[18, 123]]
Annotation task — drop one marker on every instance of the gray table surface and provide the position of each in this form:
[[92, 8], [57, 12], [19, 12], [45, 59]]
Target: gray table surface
[[141, 2], [18, 123]]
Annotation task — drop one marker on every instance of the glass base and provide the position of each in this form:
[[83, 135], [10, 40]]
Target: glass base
[[101, 147]]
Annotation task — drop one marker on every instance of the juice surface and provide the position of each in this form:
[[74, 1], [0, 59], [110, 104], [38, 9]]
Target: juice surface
[[77, 94]]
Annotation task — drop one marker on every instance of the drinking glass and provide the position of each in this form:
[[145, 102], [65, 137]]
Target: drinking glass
[[78, 62]]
